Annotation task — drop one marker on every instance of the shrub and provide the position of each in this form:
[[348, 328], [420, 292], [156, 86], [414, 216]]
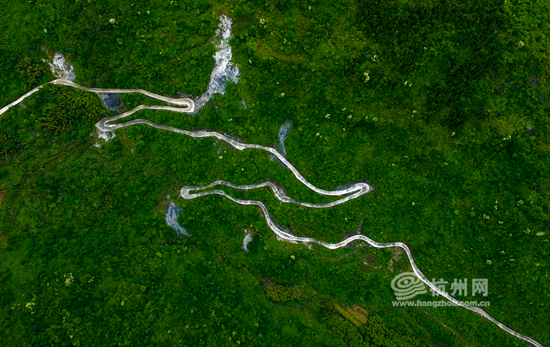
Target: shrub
[[30, 71], [72, 106], [281, 293]]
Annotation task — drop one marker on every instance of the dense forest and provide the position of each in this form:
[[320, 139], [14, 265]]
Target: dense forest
[[442, 105]]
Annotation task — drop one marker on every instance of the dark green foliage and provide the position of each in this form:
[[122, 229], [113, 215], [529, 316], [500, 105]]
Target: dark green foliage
[[373, 334], [472, 33], [7, 143], [440, 152], [12, 86], [381, 335], [8, 61], [345, 329], [71, 107], [30, 71]]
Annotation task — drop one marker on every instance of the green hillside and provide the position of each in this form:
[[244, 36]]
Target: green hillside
[[441, 105]]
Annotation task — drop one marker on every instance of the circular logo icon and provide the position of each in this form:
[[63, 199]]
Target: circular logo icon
[[406, 285]]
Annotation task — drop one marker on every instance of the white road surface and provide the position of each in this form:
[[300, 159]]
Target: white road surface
[[185, 105], [354, 191]]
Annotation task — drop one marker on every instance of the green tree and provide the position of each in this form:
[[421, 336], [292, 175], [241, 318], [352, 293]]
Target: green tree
[[30, 71]]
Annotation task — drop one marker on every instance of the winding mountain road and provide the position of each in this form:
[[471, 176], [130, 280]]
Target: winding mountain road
[[354, 190]]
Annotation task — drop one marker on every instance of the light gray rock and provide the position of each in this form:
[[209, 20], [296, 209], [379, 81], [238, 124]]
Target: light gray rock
[[224, 70], [172, 214], [183, 95], [246, 240], [280, 145], [60, 68], [111, 101]]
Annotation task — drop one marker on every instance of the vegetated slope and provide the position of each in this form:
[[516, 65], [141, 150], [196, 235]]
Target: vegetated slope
[[440, 132]]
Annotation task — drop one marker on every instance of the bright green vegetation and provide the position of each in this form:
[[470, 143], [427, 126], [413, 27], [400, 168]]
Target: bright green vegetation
[[280, 293], [86, 258], [375, 333], [29, 71]]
